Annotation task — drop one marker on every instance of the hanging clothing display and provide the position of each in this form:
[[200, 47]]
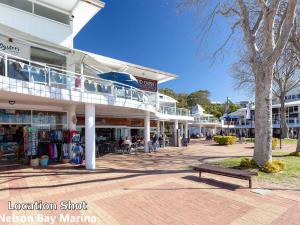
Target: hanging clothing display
[[30, 141]]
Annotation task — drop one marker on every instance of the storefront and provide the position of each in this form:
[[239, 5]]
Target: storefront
[[114, 129], [15, 125]]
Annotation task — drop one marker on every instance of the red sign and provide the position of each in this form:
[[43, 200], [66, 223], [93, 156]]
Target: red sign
[[147, 84]]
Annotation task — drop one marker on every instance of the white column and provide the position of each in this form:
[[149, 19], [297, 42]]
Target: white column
[[175, 128], [90, 145], [71, 110], [158, 127], [186, 129], [163, 133], [146, 131], [181, 129], [82, 77]]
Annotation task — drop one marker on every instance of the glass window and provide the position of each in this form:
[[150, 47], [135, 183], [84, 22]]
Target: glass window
[[51, 14], [19, 4], [2, 66], [15, 116]]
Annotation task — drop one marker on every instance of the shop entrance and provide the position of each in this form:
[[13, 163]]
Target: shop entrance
[[11, 143], [21, 133]]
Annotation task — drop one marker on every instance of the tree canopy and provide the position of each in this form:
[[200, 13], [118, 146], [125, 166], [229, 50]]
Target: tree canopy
[[201, 97]]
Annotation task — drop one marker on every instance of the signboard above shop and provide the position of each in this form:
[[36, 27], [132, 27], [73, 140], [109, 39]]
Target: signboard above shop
[[147, 84], [13, 47]]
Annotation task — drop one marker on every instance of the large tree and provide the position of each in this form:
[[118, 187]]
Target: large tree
[[266, 26], [286, 79]]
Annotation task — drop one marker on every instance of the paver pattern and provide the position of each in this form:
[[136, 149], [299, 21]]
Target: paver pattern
[[155, 188]]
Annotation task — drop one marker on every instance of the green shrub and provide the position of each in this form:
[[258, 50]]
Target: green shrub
[[275, 142], [274, 166], [225, 140], [248, 163], [295, 154]]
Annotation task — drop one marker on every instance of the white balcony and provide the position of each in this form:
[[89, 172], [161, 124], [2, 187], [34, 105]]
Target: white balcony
[[22, 76]]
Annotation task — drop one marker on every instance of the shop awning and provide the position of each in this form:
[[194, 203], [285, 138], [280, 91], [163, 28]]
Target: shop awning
[[106, 64]]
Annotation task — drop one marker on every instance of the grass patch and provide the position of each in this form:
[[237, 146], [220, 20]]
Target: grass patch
[[284, 141], [290, 176]]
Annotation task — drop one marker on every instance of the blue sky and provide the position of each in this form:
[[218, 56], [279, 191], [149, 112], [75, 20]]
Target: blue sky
[[153, 33]]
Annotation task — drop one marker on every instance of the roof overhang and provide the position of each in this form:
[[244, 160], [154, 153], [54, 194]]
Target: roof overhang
[[106, 64]]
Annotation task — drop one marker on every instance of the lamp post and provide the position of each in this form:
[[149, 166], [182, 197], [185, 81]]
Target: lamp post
[[227, 114]]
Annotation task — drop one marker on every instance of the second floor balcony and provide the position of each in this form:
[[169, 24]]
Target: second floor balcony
[[24, 76]]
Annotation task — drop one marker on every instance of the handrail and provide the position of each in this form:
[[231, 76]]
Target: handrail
[[67, 71], [174, 110], [52, 75]]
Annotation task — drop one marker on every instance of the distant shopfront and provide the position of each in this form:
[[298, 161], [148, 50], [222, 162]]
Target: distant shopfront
[[112, 129]]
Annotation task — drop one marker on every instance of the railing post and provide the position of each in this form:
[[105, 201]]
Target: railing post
[[131, 93], [49, 75], [81, 78], [5, 65]]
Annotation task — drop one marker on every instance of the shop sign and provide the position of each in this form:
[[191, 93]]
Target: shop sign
[[147, 84], [14, 48]]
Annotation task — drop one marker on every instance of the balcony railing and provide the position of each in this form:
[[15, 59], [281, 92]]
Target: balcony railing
[[42, 74], [39, 73], [206, 121], [174, 111]]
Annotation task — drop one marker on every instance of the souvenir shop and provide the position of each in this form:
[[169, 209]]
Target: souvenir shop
[[31, 135]]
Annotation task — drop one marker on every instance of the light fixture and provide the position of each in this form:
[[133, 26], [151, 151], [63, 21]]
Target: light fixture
[[11, 102]]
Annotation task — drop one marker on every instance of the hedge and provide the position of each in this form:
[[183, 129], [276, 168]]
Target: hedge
[[225, 140], [273, 166]]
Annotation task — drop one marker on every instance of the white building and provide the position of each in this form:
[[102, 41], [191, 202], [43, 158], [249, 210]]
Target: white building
[[238, 121], [203, 123], [47, 84]]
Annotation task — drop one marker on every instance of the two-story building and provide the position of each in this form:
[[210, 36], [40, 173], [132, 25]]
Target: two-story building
[[48, 87]]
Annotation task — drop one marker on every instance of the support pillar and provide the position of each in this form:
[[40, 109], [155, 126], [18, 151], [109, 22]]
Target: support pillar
[[175, 128], [90, 145], [71, 110], [146, 131], [158, 128], [163, 133], [186, 130], [181, 129]]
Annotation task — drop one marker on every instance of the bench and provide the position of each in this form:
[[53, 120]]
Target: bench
[[239, 174]]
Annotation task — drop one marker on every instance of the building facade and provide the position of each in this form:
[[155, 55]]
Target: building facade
[[48, 87], [243, 120]]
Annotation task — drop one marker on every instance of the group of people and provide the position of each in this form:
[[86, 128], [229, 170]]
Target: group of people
[[156, 142]]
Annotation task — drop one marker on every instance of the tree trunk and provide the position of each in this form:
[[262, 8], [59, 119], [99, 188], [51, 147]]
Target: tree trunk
[[263, 115], [283, 123], [298, 143]]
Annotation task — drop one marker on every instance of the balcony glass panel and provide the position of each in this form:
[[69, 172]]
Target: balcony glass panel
[[58, 79], [18, 70]]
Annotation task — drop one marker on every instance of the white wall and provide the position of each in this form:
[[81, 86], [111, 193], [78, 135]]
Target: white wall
[[37, 26]]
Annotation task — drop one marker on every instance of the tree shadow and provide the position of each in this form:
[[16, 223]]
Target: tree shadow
[[130, 174]]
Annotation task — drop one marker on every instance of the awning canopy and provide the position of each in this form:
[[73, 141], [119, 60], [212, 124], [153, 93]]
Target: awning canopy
[[106, 64]]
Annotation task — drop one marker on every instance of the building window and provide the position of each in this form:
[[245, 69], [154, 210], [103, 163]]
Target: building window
[[51, 14], [23, 5], [39, 10]]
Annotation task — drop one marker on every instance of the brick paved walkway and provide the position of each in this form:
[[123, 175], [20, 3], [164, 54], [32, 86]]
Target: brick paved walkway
[[156, 188]]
